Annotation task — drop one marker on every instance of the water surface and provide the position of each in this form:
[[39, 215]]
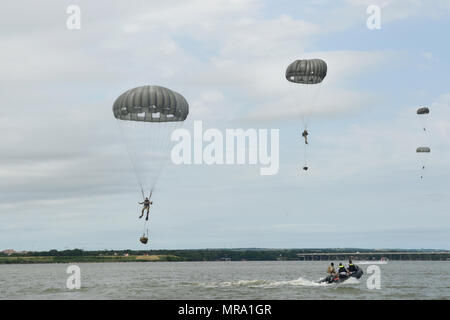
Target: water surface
[[221, 280]]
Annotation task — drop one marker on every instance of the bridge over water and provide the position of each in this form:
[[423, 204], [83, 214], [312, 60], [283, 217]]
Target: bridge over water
[[376, 256]]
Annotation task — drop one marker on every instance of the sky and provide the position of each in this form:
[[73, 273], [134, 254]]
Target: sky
[[65, 177]]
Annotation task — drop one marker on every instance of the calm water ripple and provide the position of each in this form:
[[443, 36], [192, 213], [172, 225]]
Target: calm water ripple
[[221, 280]]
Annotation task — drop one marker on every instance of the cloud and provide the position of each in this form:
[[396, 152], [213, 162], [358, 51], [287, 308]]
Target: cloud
[[388, 144], [290, 101], [62, 157], [395, 10]]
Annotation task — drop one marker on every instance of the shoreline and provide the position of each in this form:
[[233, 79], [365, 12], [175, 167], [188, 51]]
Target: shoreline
[[80, 256]]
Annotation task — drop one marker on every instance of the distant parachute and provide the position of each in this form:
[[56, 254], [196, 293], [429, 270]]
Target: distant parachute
[[147, 116], [423, 110], [309, 73], [423, 113], [423, 149]]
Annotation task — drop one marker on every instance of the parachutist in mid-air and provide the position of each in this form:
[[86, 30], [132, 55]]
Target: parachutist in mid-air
[[423, 151], [146, 116], [424, 111], [146, 204], [308, 74], [305, 135]]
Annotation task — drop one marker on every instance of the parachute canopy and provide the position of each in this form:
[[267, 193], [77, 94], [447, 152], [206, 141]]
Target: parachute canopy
[[423, 149], [151, 104], [309, 71], [146, 117], [423, 110]]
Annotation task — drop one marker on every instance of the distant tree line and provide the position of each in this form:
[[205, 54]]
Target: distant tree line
[[250, 254]]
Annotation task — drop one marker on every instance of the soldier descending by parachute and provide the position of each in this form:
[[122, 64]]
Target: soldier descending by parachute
[[146, 117], [423, 111], [423, 152], [310, 74], [146, 204]]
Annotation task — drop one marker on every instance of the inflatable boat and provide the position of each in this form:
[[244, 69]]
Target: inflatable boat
[[342, 276]]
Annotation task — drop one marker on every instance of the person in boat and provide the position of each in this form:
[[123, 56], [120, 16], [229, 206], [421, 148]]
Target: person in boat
[[146, 204], [351, 267], [342, 270], [305, 135], [331, 271]]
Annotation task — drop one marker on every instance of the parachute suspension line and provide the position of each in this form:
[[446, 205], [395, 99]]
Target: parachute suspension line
[[151, 142], [149, 147], [159, 143], [164, 146], [159, 152], [156, 143], [312, 95], [130, 157], [160, 138], [306, 156], [149, 138], [145, 229]]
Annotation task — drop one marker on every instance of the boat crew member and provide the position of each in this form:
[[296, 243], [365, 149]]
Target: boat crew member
[[342, 269], [351, 266], [331, 269]]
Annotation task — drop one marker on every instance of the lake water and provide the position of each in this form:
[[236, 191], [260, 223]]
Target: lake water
[[222, 280]]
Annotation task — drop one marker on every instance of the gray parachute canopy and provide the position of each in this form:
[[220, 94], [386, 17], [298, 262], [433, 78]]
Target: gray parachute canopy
[[310, 71], [423, 149], [151, 104], [423, 110]]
